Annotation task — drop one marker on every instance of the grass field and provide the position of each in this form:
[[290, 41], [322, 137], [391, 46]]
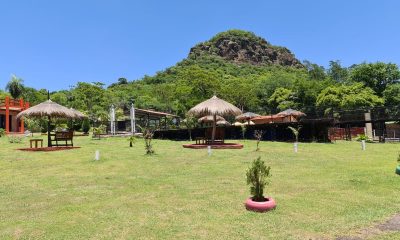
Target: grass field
[[324, 191]]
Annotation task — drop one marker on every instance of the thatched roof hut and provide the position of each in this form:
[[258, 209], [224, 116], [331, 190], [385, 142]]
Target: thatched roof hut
[[214, 106]]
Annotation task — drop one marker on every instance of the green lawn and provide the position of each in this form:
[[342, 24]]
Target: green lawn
[[324, 191]]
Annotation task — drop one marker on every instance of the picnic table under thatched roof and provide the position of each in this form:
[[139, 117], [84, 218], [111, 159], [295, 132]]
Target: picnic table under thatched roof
[[50, 109], [214, 106]]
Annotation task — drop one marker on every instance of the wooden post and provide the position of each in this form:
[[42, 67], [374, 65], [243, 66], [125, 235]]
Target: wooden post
[[7, 114], [21, 121], [214, 128], [48, 133]]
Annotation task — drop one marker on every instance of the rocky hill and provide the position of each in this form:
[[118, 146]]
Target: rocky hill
[[245, 47]]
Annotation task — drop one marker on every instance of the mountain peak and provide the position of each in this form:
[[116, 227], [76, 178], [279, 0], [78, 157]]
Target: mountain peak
[[245, 47]]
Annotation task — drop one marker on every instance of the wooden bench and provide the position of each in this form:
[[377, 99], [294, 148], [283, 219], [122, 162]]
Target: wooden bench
[[36, 141], [64, 138]]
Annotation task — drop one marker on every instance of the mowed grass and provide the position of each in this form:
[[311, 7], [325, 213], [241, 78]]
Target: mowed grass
[[323, 191]]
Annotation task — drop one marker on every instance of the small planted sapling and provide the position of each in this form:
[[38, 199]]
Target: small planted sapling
[[296, 133], [243, 129], [258, 134], [148, 135], [398, 166], [132, 140]]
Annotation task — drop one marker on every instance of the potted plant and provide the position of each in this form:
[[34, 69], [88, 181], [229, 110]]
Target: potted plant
[[398, 166], [296, 132], [258, 178]]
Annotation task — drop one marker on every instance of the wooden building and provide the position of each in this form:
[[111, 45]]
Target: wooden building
[[9, 108]]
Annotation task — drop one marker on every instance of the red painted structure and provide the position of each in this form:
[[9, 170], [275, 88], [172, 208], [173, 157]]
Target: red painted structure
[[9, 108]]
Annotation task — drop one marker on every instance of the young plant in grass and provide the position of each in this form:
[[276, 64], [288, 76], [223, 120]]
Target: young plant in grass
[[148, 134], [258, 178], [243, 129], [296, 132], [132, 140], [258, 134]]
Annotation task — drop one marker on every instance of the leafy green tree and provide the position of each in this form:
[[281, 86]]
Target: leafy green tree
[[282, 99], [348, 97], [377, 75], [15, 86], [315, 71], [392, 95], [337, 72]]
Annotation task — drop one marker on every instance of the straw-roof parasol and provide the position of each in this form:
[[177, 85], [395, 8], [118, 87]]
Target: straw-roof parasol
[[214, 106], [210, 118], [291, 112], [223, 123], [246, 116], [50, 110], [47, 109], [77, 113]]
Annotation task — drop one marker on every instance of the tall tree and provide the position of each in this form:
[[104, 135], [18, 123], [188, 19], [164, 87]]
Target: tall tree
[[15, 86], [337, 72], [375, 75], [348, 97]]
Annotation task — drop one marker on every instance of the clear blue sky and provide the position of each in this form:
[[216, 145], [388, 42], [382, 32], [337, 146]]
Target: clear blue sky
[[54, 44]]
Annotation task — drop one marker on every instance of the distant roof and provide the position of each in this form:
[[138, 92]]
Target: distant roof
[[152, 112]]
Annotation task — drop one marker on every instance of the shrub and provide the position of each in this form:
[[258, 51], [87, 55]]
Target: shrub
[[85, 125], [2, 132], [258, 178], [14, 139]]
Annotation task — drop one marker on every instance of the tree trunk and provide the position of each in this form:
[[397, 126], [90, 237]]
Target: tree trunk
[[214, 128], [48, 132]]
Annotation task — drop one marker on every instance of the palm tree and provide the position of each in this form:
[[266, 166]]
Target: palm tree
[[15, 86]]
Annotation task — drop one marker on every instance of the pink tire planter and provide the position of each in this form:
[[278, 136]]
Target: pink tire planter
[[260, 206]]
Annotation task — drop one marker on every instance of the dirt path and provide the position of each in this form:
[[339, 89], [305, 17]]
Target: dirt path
[[391, 225]]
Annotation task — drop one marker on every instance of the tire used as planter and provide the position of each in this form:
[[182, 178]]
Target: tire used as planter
[[398, 170], [267, 205]]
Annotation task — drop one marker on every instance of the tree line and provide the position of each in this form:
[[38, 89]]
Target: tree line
[[264, 89]]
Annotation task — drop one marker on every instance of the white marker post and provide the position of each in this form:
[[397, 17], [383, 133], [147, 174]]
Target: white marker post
[[97, 155], [209, 150], [363, 145]]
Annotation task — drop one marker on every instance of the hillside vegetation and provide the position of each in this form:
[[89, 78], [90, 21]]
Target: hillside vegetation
[[245, 70]]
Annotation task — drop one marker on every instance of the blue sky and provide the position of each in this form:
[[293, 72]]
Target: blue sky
[[54, 44]]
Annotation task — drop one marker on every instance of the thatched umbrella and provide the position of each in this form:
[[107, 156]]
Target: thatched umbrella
[[78, 114], [50, 110], [223, 123], [210, 118], [291, 112], [214, 106], [247, 117]]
